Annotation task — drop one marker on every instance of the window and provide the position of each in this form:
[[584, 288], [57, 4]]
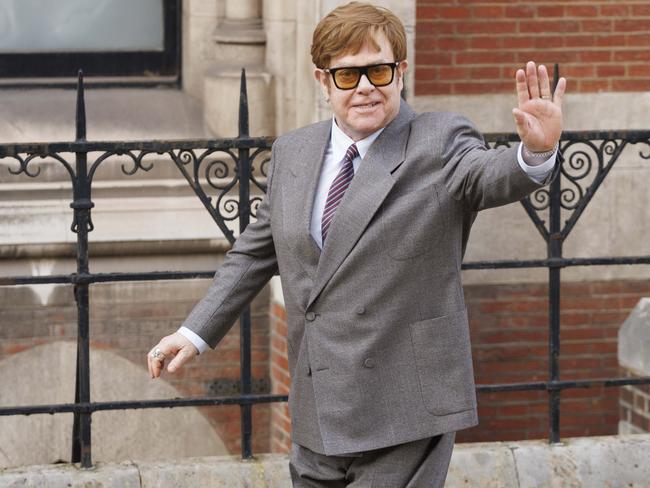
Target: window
[[104, 38]]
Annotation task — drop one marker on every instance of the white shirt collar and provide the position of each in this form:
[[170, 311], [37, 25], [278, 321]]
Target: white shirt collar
[[340, 141]]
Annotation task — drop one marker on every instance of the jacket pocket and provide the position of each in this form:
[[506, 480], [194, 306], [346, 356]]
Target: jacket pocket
[[443, 357]]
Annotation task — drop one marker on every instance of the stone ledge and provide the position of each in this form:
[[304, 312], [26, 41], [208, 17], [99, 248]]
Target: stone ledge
[[580, 462]]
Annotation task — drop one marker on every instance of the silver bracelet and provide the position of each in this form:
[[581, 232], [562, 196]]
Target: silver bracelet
[[539, 155]]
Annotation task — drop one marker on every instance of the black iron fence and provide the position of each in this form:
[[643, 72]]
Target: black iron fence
[[590, 157]]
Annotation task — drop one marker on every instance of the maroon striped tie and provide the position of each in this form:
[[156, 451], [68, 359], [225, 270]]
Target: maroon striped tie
[[337, 190]]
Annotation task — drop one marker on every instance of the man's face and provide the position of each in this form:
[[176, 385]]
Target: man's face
[[365, 109]]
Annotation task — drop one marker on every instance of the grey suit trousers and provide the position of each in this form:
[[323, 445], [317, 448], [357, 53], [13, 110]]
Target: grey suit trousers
[[418, 464]]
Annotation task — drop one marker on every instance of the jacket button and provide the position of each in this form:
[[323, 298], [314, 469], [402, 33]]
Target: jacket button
[[360, 310], [310, 316], [369, 363]]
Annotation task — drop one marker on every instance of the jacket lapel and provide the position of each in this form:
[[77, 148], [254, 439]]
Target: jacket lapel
[[370, 186], [299, 197]]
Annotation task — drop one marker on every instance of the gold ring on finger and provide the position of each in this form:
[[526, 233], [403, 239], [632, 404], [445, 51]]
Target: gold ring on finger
[[546, 97]]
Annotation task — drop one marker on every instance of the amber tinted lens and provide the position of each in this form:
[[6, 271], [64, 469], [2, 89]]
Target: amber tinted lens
[[380, 75], [347, 77]]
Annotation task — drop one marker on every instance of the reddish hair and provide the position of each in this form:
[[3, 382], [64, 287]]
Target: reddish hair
[[348, 27]]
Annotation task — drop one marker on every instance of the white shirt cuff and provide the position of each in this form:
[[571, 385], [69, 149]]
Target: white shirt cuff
[[538, 173], [199, 343]]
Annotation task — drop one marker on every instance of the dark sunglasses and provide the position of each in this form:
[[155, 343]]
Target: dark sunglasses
[[348, 77]]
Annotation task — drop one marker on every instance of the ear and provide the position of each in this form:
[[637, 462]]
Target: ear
[[401, 70], [322, 79]]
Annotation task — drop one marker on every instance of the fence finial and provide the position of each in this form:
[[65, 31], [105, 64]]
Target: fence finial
[[81, 109], [243, 106]]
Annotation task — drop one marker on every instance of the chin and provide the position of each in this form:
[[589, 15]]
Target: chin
[[368, 126]]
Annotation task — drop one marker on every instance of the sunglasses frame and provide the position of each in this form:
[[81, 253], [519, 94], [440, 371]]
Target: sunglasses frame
[[363, 70]]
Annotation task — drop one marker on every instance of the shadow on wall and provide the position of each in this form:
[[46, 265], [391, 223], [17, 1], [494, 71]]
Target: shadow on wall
[[45, 374]]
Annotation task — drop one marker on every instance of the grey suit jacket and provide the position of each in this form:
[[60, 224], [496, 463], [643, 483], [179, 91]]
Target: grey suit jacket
[[379, 347]]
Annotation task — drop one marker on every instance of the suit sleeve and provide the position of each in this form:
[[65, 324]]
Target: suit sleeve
[[248, 266], [478, 176]]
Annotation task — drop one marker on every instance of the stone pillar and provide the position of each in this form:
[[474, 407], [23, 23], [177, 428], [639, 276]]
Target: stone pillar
[[240, 43], [634, 360]]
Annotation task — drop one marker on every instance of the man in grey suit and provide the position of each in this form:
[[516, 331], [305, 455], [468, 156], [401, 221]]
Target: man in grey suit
[[366, 218]]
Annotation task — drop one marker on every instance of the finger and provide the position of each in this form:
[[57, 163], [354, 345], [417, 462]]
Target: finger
[[520, 119], [558, 96], [155, 364], [522, 87], [531, 75], [544, 83], [181, 358]]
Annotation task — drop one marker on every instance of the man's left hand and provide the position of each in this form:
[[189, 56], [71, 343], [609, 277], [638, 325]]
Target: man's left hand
[[539, 115]]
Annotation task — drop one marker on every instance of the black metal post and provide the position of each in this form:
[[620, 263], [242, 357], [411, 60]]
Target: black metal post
[[244, 169], [81, 438], [554, 251]]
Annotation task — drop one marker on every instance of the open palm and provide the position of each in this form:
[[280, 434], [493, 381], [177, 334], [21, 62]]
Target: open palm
[[539, 114]]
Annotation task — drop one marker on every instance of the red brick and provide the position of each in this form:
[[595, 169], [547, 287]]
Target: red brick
[[519, 42], [640, 10], [611, 40], [435, 28], [642, 70], [485, 42], [279, 344], [550, 42], [614, 10], [489, 12], [279, 312], [485, 72], [454, 13], [629, 25], [580, 41], [610, 70], [518, 306], [545, 27], [426, 12], [597, 26], [433, 88], [453, 73], [581, 334], [485, 58], [631, 85], [520, 11], [453, 43], [424, 42], [576, 318], [463, 88], [498, 27], [581, 11], [433, 58], [550, 11]]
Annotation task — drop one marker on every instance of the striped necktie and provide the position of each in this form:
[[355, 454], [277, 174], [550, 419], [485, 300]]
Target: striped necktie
[[337, 190]]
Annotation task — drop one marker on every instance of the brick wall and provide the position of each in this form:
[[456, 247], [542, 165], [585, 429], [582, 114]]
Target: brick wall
[[475, 46], [280, 380], [634, 406], [130, 322], [509, 330]]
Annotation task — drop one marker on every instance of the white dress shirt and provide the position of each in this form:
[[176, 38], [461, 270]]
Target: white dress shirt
[[333, 160]]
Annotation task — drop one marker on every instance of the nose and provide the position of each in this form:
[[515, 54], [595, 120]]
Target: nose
[[364, 85]]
